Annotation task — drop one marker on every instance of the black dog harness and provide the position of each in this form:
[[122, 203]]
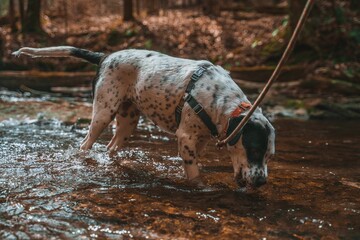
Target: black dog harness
[[195, 105]]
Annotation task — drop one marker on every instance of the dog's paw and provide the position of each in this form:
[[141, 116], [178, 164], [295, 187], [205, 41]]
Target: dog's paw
[[112, 153], [197, 182]]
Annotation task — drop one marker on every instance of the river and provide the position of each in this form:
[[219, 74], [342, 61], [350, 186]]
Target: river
[[50, 190]]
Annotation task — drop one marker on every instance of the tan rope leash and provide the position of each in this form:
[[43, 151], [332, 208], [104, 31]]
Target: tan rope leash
[[275, 74]]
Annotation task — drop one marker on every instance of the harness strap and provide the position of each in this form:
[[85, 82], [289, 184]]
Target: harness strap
[[200, 111], [195, 105]]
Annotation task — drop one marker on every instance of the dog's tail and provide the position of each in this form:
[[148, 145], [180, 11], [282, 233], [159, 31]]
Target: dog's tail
[[61, 51]]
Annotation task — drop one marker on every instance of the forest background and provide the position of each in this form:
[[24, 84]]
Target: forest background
[[247, 37]]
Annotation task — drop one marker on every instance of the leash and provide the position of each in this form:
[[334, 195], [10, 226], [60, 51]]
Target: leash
[[275, 74]]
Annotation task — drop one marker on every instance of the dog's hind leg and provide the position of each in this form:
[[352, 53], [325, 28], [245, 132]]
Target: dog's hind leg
[[106, 103], [126, 121]]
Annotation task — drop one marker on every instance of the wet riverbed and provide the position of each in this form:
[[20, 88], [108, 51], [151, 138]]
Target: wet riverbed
[[50, 189]]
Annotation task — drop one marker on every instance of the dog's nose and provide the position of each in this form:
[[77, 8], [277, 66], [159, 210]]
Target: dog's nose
[[259, 181]]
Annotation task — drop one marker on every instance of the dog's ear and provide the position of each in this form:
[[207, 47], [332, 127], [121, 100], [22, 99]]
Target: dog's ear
[[233, 123]]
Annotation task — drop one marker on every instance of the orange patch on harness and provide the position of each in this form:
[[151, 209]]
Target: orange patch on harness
[[240, 109]]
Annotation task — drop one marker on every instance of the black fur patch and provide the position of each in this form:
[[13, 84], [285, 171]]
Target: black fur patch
[[93, 57], [255, 141]]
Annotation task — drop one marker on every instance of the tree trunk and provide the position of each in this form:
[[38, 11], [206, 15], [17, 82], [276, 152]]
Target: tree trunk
[[32, 23], [138, 9], [22, 12], [328, 30], [66, 18], [128, 10], [151, 8], [12, 16], [211, 7], [1, 52], [295, 9]]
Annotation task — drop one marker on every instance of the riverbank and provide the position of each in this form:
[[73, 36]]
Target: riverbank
[[285, 100]]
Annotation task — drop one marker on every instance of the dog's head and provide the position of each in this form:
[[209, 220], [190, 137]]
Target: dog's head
[[251, 149]]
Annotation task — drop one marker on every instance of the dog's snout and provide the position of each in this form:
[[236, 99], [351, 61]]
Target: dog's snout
[[259, 181]]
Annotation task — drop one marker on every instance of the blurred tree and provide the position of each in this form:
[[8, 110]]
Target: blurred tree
[[295, 10], [2, 50], [152, 8], [128, 10], [22, 12], [164, 4], [66, 17], [12, 16], [32, 23], [211, 7], [137, 7], [330, 30]]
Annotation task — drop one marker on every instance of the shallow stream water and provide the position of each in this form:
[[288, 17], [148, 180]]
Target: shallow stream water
[[49, 189]]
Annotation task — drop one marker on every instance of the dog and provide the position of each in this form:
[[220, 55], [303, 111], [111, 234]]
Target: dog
[[130, 82]]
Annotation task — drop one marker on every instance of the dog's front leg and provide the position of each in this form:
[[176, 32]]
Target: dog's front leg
[[187, 151]]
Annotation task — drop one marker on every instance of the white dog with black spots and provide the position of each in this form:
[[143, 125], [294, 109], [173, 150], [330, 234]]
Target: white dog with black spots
[[130, 82]]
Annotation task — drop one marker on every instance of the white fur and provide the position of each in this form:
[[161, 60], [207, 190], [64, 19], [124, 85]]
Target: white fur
[[61, 51]]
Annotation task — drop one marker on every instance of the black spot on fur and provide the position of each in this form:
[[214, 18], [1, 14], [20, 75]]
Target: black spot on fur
[[226, 100], [191, 153], [149, 55], [215, 95]]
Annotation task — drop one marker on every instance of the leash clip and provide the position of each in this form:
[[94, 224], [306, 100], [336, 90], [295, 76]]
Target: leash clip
[[219, 145]]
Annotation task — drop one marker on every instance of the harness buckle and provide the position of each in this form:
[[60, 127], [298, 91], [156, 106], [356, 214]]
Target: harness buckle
[[178, 109], [194, 78], [187, 97], [198, 108], [198, 73]]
